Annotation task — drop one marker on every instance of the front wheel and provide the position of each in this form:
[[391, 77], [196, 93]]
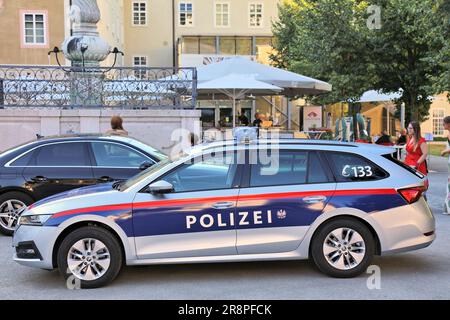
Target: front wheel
[[90, 257], [11, 206], [343, 248]]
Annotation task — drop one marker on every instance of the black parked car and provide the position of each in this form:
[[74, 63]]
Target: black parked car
[[48, 166]]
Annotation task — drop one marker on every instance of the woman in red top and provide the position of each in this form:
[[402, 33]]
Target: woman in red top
[[416, 148]]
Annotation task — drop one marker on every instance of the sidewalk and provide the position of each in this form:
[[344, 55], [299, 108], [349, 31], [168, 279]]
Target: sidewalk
[[437, 164]]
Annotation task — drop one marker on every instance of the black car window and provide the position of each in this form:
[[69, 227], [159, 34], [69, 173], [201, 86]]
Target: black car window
[[287, 167], [316, 172], [23, 160], [352, 167], [116, 155], [62, 154], [207, 173]]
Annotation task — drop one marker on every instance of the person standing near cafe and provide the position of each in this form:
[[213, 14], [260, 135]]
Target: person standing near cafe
[[416, 148], [444, 153]]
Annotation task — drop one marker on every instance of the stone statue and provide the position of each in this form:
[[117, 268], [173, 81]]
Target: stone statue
[[85, 47]]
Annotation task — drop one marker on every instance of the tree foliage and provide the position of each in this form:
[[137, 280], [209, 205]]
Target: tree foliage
[[332, 40]]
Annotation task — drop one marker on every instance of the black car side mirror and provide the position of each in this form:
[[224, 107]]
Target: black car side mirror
[[145, 165]]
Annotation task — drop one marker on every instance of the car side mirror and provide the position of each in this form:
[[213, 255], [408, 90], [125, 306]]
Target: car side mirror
[[160, 186], [145, 165]]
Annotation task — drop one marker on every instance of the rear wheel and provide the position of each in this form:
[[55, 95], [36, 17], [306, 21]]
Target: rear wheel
[[343, 248], [90, 256], [11, 205]]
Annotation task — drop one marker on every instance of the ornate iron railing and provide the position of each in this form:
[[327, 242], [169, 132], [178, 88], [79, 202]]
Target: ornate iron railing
[[125, 88]]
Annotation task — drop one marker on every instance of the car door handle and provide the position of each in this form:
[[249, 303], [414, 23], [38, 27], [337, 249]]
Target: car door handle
[[223, 205], [314, 199], [105, 179], [39, 179]]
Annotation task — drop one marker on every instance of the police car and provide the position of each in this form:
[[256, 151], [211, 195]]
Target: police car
[[338, 204]]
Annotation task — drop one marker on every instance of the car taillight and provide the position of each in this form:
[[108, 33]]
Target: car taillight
[[411, 195]]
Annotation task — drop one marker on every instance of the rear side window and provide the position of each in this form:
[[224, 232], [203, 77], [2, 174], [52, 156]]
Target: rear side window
[[62, 155], [350, 167], [292, 167], [403, 165]]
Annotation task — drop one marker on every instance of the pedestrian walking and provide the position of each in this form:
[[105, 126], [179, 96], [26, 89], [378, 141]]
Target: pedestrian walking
[[416, 149], [444, 153], [117, 127]]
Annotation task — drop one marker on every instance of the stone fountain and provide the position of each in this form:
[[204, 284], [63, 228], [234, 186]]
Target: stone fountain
[[85, 49]]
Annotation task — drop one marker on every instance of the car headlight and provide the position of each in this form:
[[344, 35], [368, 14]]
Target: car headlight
[[34, 220]]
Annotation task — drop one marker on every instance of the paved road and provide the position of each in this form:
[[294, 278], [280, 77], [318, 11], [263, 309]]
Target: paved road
[[423, 274]]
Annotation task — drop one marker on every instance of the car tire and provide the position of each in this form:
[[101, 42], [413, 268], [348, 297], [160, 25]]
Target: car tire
[[84, 270], [337, 257], [14, 199]]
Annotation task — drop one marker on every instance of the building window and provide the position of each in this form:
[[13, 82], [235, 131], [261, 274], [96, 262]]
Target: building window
[[34, 29], [139, 13], [140, 64], [227, 45], [256, 14], [438, 119], [186, 17], [222, 14], [244, 46], [190, 45], [207, 45]]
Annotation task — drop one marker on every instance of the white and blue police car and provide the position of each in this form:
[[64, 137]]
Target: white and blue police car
[[336, 203]]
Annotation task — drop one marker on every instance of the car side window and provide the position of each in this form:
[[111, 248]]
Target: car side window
[[205, 173], [116, 155], [289, 167], [62, 154], [351, 167]]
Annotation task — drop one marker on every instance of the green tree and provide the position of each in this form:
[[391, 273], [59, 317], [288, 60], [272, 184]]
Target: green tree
[[409, 35], [325, 39], [441, 81], [332, 40]]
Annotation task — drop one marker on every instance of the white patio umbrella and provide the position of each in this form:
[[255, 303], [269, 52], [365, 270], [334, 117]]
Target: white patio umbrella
[[290, 82], [377, 96], [236, 86]]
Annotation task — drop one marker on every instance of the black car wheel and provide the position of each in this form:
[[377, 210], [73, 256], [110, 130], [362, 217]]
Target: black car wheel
[[90, 256], [11, 205], [343, 248]]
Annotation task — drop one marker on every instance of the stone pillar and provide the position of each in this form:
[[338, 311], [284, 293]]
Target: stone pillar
[[50, 122], [90, 121]]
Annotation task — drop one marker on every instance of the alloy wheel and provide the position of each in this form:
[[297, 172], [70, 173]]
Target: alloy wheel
[[10, 211], [344, 248], [88, 259]]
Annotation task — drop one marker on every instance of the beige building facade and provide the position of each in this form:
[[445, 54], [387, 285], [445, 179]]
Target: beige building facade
[[29, 29], [189, 33], [440, 108]]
